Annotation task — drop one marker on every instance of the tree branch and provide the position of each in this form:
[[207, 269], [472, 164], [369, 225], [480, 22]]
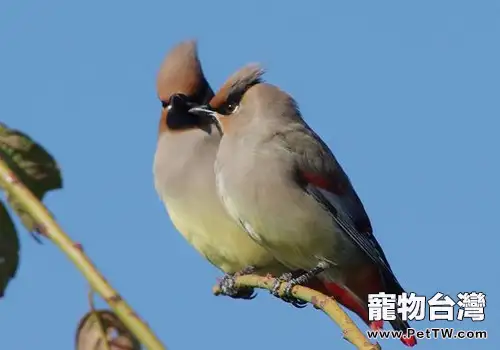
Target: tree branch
[[320, 301], [48, 227]]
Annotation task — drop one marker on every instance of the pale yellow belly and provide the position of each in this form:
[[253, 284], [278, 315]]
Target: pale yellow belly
[[222, 242]]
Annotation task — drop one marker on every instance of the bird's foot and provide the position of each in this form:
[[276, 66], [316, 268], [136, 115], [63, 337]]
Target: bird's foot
[[291, 281], [306, 277], [287, 295], [246, 271], [283, 278], [228, 287]]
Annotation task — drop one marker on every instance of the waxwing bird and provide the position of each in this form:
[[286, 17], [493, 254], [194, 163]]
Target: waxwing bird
[[284, 186], [184, 173]]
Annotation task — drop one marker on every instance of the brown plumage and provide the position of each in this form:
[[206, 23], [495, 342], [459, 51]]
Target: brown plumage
[[181, 72]]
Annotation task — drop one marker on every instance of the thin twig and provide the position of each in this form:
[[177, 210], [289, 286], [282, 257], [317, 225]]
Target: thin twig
[[350, 331]]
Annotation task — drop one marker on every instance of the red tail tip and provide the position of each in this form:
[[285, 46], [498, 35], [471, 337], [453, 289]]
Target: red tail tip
[[377, 325], [412, 341]]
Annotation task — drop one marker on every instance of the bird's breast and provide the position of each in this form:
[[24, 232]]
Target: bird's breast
[[187, 188], [263, 195]]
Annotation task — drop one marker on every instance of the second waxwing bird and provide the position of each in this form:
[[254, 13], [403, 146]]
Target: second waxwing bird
[[184, 173], [281, 182]]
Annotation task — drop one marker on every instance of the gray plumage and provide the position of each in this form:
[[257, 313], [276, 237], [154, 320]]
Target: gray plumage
[[184, 172]]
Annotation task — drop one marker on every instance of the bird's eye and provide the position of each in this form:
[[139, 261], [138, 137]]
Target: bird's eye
[[231, 108]]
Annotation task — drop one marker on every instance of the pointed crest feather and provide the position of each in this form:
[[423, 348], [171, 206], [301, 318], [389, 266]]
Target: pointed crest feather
[[238, 83], [181, 72]]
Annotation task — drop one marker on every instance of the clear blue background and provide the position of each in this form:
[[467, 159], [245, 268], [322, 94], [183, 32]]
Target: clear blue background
[[406, 93]]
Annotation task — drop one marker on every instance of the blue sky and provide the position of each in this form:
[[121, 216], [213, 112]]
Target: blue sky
[[412, 96]]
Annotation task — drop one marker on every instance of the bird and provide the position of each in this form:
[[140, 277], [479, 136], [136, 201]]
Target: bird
[[184, 175], [279, 180]]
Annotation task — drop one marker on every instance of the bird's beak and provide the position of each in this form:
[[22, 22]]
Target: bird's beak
[[208, 112]]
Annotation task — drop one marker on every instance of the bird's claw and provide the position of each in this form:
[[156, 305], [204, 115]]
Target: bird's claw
[[289, 298], [287, 295], [276, 287], [246, 271], [228, 287]]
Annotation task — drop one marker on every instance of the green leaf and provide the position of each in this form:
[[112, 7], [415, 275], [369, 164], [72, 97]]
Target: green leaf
[[32, 165], [88, 334], [9, 249]]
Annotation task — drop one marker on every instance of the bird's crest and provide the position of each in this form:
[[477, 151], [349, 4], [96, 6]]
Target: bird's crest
[[238, 84], [181, 72]]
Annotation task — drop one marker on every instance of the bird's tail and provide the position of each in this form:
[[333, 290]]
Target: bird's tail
[[354, 303], [392, 286]]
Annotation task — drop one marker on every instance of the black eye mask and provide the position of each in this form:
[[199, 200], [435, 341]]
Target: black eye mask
[[179, 118]]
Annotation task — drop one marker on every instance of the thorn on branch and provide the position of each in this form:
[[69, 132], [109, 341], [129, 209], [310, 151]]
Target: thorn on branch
[[41, 229], [38, 230], [114, 299], [11, 178], [78, 246], [34, 234]]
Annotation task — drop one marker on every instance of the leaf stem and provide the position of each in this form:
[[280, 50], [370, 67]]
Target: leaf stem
[[103, 332]]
